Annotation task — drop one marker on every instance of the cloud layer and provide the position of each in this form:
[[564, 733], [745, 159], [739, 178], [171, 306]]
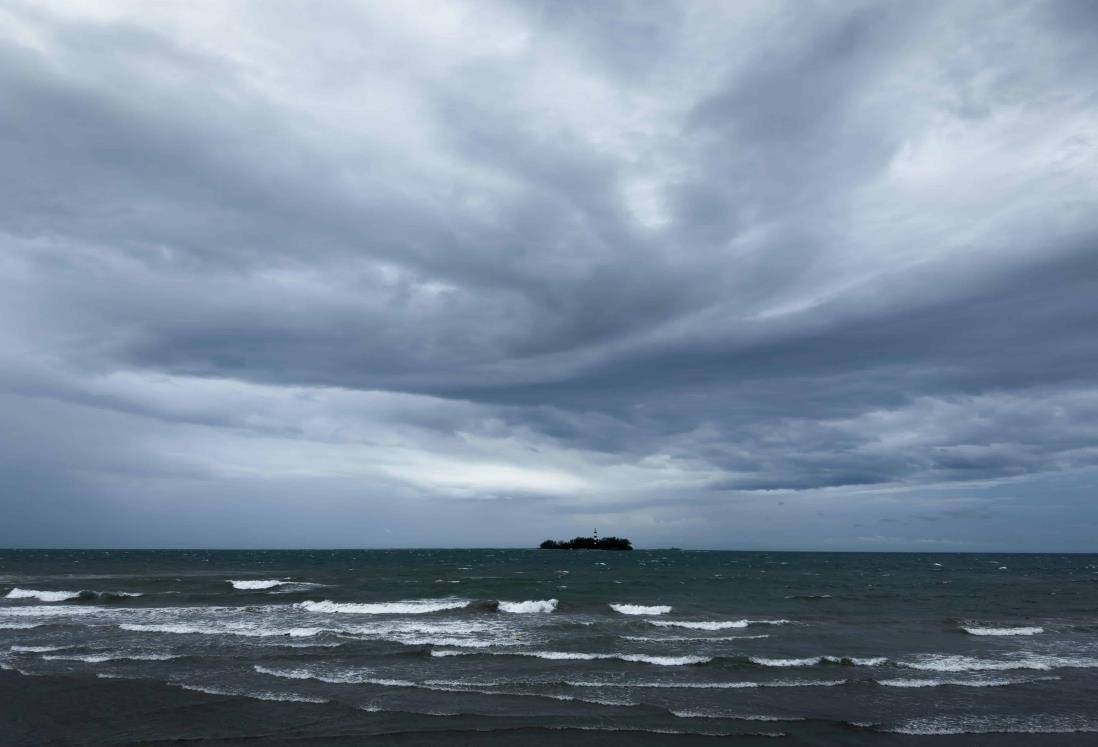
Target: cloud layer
[[426, 273]]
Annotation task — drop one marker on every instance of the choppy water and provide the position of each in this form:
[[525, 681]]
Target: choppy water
[[663, 641]]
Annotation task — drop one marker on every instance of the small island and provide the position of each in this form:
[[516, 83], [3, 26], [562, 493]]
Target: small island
[[588, 543]]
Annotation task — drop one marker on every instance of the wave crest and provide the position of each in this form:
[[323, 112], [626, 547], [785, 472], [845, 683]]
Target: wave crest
[[408, 607], [43, 596], [665, 661], [700, 625], [529, 606], [639, 609], [853, 661], [1031, 630]]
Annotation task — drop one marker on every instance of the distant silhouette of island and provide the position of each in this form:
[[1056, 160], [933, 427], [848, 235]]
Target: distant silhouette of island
[[588, 543]]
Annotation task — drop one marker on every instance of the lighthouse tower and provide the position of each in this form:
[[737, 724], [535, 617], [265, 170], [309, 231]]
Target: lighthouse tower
[[596, 535]]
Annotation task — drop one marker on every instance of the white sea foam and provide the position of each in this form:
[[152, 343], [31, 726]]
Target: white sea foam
[[665, 661], [951, 663], [872, 661], [734, 717], [240, 630], [40, 610], [1003, 631], [529, 606], [36, 649], [261, 695], [700, 625], [989, 724], [408, 607], [786, 662], [118, 656], [443, 641], [18, 626], [45, 596], [902, 682], [252, 585], [709, 685], [346, 678], [693, 637], [638, 609]]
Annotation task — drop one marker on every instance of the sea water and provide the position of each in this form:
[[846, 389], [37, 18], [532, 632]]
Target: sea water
[[832, 645]]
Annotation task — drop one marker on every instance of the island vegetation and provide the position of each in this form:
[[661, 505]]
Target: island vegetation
[[588, 543]]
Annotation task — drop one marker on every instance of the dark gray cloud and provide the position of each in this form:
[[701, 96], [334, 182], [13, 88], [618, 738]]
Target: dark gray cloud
[[698, 272]]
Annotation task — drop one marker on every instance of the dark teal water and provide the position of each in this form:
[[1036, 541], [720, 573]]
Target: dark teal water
[[847, 647]]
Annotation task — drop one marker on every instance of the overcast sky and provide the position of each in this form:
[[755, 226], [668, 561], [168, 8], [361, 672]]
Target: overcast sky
[[703, 274]]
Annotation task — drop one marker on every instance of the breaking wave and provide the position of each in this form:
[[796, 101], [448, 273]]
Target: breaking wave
[[118, 656], [988, 724], [44, 596], [261, 695], [638, 609], [715, 624], [85, 595], [872, 661], [250, 585], [953, 663], [902, 682], [664, 661], [734, 717], [248, 632], [530, 606], [692, 638], [1003, 631], [710, 685], [408, 607], [702, 625]]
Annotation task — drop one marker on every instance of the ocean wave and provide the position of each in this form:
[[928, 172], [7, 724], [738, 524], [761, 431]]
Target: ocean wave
[[989, 724], [530, 606], [710, 638], [656, 730], [1003, 631], [333, 677], [734, 717], [39, 610], [85, 595], [19, 626], [461, 686], [255, 585], [872, 661], [665, 661], [700, 625], [116, 656], [44, 596], [442, 641], [36, 649], [248, 632], [809, 596], [261, 695], [954, 663], [408, 607], [638, 609], [901, 682], [708, 685]]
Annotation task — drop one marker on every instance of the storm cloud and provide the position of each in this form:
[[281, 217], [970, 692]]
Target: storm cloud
[[791, 275]]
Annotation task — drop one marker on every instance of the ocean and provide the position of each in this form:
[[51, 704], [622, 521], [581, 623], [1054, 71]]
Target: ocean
[[810, 648]]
